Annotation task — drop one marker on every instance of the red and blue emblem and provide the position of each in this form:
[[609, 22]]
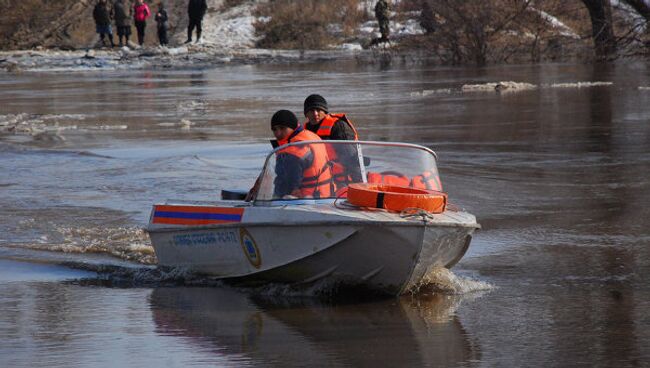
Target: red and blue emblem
[[195, 215]]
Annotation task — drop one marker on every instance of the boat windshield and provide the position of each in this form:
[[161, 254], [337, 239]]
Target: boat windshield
[[324, 169]]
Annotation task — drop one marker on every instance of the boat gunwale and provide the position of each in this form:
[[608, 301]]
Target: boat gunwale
[[406, 223], [348, 142]]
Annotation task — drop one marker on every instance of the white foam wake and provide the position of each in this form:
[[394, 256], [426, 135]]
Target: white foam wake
[[442, 280]]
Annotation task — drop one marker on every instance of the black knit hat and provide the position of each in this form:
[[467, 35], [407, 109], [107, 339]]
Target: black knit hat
[[284, 118], [315, 102]]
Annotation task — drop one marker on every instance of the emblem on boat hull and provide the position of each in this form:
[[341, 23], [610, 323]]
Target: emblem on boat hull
[[250, 248]]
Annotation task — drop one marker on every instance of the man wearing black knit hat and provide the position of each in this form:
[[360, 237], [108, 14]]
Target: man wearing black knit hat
[[319, 120], [300, 171], [334, 127]]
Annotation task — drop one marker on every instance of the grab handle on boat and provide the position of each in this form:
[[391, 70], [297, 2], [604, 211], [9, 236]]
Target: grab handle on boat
[[236, 195]]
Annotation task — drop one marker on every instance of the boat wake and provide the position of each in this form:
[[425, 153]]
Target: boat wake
[[443, 280], [111, 275], [115, 272], [122, 243]]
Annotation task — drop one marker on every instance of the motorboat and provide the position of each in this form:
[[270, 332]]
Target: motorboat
[[386, 230]]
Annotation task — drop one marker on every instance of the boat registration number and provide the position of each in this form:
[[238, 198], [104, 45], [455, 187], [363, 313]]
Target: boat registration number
[[198, 239]]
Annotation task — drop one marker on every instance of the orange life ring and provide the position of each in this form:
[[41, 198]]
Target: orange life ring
[[396, 198]]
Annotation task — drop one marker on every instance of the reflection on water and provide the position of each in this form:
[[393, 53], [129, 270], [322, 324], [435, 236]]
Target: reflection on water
[[279, 331]]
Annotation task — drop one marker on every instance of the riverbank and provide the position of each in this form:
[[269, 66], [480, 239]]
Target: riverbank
[[183, 57], [61, 37]]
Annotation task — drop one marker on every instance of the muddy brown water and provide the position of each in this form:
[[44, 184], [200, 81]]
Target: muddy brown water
[[557, 176]]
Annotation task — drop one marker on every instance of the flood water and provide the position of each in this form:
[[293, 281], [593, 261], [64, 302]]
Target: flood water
[[558, 177]]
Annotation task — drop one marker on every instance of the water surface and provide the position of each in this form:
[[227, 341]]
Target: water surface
[[558, 177]]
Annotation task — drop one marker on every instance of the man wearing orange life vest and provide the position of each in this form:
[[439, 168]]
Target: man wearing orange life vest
[[301, 171], [343, 159]]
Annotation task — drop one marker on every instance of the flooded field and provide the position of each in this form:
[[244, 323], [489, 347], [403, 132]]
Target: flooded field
[[556, 171]]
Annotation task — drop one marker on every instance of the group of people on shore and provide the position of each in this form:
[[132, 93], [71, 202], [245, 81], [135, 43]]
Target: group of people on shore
[[122, 13]]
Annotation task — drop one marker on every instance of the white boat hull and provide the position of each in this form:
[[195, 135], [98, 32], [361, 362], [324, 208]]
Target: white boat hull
[[307, 243]]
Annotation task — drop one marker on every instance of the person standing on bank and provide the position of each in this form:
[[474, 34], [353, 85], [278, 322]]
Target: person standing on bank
[[195, 10], [161, 22], [140, 14], [344, 159], [102, 17], [122, 16], [381, 13]]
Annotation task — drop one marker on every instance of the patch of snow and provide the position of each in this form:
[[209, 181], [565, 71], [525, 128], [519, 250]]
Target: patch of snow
[[232, 29], [192, 105], [368, 27], [556, 23], [519, 86], [580, 84], [350, 47], [174, 51], [183, 124], [409, 28], [37, 124], [498, 86], [631, 15], [108, 127], [367, 6], [429, 92], [527, 35]]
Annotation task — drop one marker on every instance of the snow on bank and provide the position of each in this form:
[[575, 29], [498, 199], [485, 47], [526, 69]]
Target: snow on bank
[[232, 29], [411, 27]]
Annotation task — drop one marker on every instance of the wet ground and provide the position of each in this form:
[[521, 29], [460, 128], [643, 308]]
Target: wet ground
[[556, 174]]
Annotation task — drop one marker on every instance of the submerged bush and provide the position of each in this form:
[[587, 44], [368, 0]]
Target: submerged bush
[[306, 24]]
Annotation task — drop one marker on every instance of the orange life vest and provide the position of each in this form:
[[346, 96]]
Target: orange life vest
[[325, 132], [317, 178], [427, 180], [388, 178], [327, 124]]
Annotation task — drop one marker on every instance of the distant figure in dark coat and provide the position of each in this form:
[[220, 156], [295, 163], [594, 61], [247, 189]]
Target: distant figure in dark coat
[[427, 19], [381, 13], [122, 16], [161, 21], [102, 16], [195, 10]]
